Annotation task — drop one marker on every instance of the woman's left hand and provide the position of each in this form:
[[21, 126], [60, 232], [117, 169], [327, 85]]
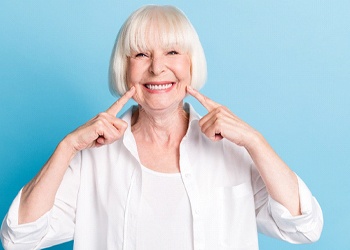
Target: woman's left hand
[[220, 122], [280, 180]]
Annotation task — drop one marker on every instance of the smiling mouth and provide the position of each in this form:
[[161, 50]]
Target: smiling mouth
[[159, 86]]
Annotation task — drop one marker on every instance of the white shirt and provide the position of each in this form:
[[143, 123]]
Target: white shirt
[[98, 201], [165, 218]]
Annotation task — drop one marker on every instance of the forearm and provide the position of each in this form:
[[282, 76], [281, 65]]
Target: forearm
[[220, 122], [38, 195], [281, 182]]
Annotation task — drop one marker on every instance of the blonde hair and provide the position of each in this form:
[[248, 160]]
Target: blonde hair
[[138, 31]]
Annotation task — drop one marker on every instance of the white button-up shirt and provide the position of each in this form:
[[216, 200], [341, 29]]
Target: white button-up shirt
[[97, 203]]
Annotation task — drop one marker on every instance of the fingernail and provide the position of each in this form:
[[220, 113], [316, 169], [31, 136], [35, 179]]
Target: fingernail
[[189, 88]]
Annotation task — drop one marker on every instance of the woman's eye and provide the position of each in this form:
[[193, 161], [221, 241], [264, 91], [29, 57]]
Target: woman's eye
[[173, 52], [140, 55]]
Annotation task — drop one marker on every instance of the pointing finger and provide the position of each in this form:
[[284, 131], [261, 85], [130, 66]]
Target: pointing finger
[[205, 101], [119, 104]]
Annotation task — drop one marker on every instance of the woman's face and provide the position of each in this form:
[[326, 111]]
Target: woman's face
[[160, 76]]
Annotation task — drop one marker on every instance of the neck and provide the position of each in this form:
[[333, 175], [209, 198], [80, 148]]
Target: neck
[[161, 127]]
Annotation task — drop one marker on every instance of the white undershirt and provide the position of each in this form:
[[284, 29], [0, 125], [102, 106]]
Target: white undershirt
[[165, 218]]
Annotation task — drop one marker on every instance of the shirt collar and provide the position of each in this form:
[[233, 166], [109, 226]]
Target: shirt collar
[[129, 140]]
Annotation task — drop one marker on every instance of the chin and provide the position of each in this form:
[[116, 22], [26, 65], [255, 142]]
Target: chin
[[161, 105]]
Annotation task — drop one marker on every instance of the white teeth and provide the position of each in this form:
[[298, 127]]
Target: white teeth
[[159, 87]]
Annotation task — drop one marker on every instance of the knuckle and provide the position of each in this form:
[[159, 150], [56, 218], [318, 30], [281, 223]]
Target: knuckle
[[99, 124], [200, 123], [220, 109], [218, 123], [120, 124], [124, 125], [102, 115]]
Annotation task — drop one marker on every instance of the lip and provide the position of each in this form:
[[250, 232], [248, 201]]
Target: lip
[[157, 86]]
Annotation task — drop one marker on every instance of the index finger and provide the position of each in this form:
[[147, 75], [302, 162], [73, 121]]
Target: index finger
[[119, 104], [205, 101]]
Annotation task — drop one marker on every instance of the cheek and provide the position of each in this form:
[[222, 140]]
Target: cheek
[[133, 73], [186, 70], [188, 76], [183, 72], [130, 77]]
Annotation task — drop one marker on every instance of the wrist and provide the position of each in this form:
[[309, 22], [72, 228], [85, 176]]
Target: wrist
[[67, 146], [255, 142]]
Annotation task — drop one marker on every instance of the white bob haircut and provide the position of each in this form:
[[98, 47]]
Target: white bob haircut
[[166, 24]]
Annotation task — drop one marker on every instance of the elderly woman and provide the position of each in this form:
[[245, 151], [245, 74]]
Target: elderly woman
[[161, 177]]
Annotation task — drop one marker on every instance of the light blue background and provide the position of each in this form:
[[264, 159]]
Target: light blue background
[[282, 66]]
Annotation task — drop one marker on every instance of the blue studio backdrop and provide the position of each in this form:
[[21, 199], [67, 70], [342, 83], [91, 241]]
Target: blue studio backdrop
[[282, 66]]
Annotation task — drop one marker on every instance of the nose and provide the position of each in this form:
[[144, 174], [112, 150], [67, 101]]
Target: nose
[[157, 65]]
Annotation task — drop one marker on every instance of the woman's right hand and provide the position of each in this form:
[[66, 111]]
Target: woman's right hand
[[105, 128], [38, 195]]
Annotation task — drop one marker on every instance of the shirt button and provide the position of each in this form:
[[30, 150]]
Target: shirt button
[[188, 176]]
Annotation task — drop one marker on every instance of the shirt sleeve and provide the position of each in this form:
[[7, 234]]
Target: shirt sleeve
[[276, 221], [54, 227]]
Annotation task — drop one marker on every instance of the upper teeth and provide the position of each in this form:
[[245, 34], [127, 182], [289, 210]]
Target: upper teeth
[[158, 87]]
